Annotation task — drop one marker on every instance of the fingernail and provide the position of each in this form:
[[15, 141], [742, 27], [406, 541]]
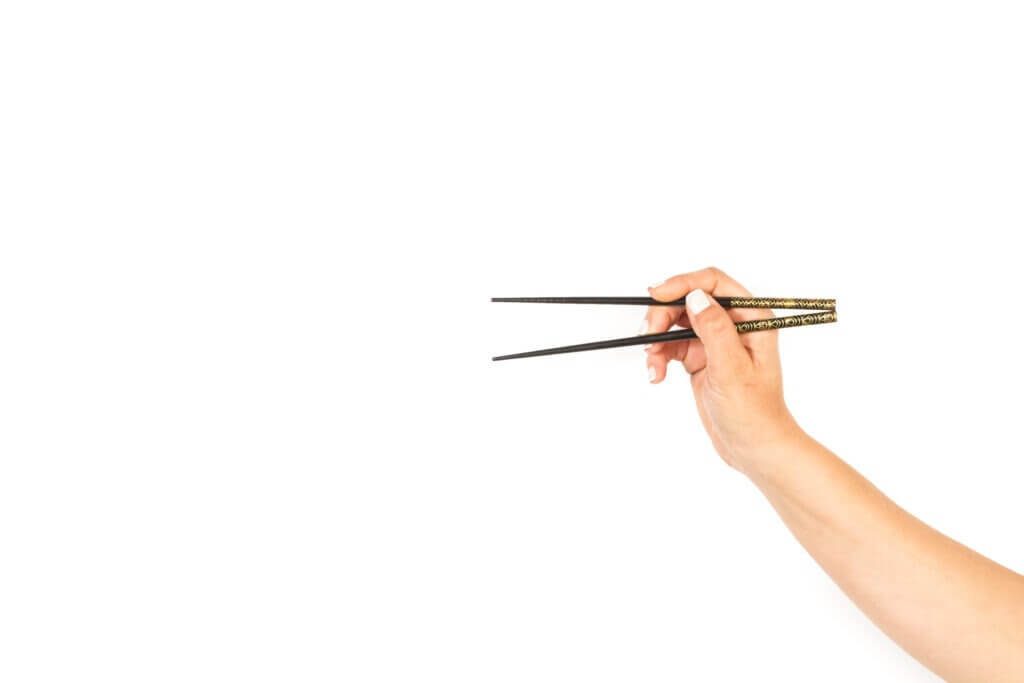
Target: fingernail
[[656, 285], [697, 301], [648, 347], [643, 328], [651, 373]]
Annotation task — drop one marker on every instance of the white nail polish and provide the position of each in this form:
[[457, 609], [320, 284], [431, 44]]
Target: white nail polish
[[697, 301], [648, 347], [643, 328], [651, 373]]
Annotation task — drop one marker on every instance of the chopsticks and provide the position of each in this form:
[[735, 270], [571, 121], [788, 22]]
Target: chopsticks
[[826, 307], [725, 301]]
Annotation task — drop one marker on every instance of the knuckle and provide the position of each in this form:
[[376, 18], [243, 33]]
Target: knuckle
[[722, 277]]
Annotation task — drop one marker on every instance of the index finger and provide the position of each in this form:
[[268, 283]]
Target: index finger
[[716, 282], [712, 280]]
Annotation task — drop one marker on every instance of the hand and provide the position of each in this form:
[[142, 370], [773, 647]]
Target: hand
[[736, 379], [959, 613]]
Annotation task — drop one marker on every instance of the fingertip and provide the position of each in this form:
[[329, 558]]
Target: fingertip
[[655, 369], [671, 289], [659, 319], [657, 293]]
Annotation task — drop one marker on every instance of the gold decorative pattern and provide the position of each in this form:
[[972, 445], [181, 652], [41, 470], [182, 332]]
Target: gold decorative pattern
[[776, 302], [788, 321]]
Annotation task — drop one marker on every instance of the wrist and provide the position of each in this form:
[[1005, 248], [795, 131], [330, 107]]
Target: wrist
[[776, 447]]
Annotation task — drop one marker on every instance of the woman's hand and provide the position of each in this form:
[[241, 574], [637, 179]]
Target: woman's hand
[[736, 379], [959, 613]]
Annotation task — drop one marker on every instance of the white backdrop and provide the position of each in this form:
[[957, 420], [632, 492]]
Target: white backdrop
[[250, 429]]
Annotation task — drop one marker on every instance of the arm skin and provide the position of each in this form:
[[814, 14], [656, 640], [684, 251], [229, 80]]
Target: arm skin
[[957, 612]]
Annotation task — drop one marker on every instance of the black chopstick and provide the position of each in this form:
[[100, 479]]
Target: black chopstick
[[725, 301], [742, 327]]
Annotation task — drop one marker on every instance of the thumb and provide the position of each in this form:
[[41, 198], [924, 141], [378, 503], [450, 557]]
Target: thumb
[[726, 355]]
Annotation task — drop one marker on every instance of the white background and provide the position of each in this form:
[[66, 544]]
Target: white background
[[249, 429]]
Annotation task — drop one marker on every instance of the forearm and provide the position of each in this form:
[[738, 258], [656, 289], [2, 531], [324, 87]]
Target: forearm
[[957, 612]]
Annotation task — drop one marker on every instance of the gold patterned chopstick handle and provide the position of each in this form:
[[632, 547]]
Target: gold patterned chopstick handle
[[778, 302], [788, 321]]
